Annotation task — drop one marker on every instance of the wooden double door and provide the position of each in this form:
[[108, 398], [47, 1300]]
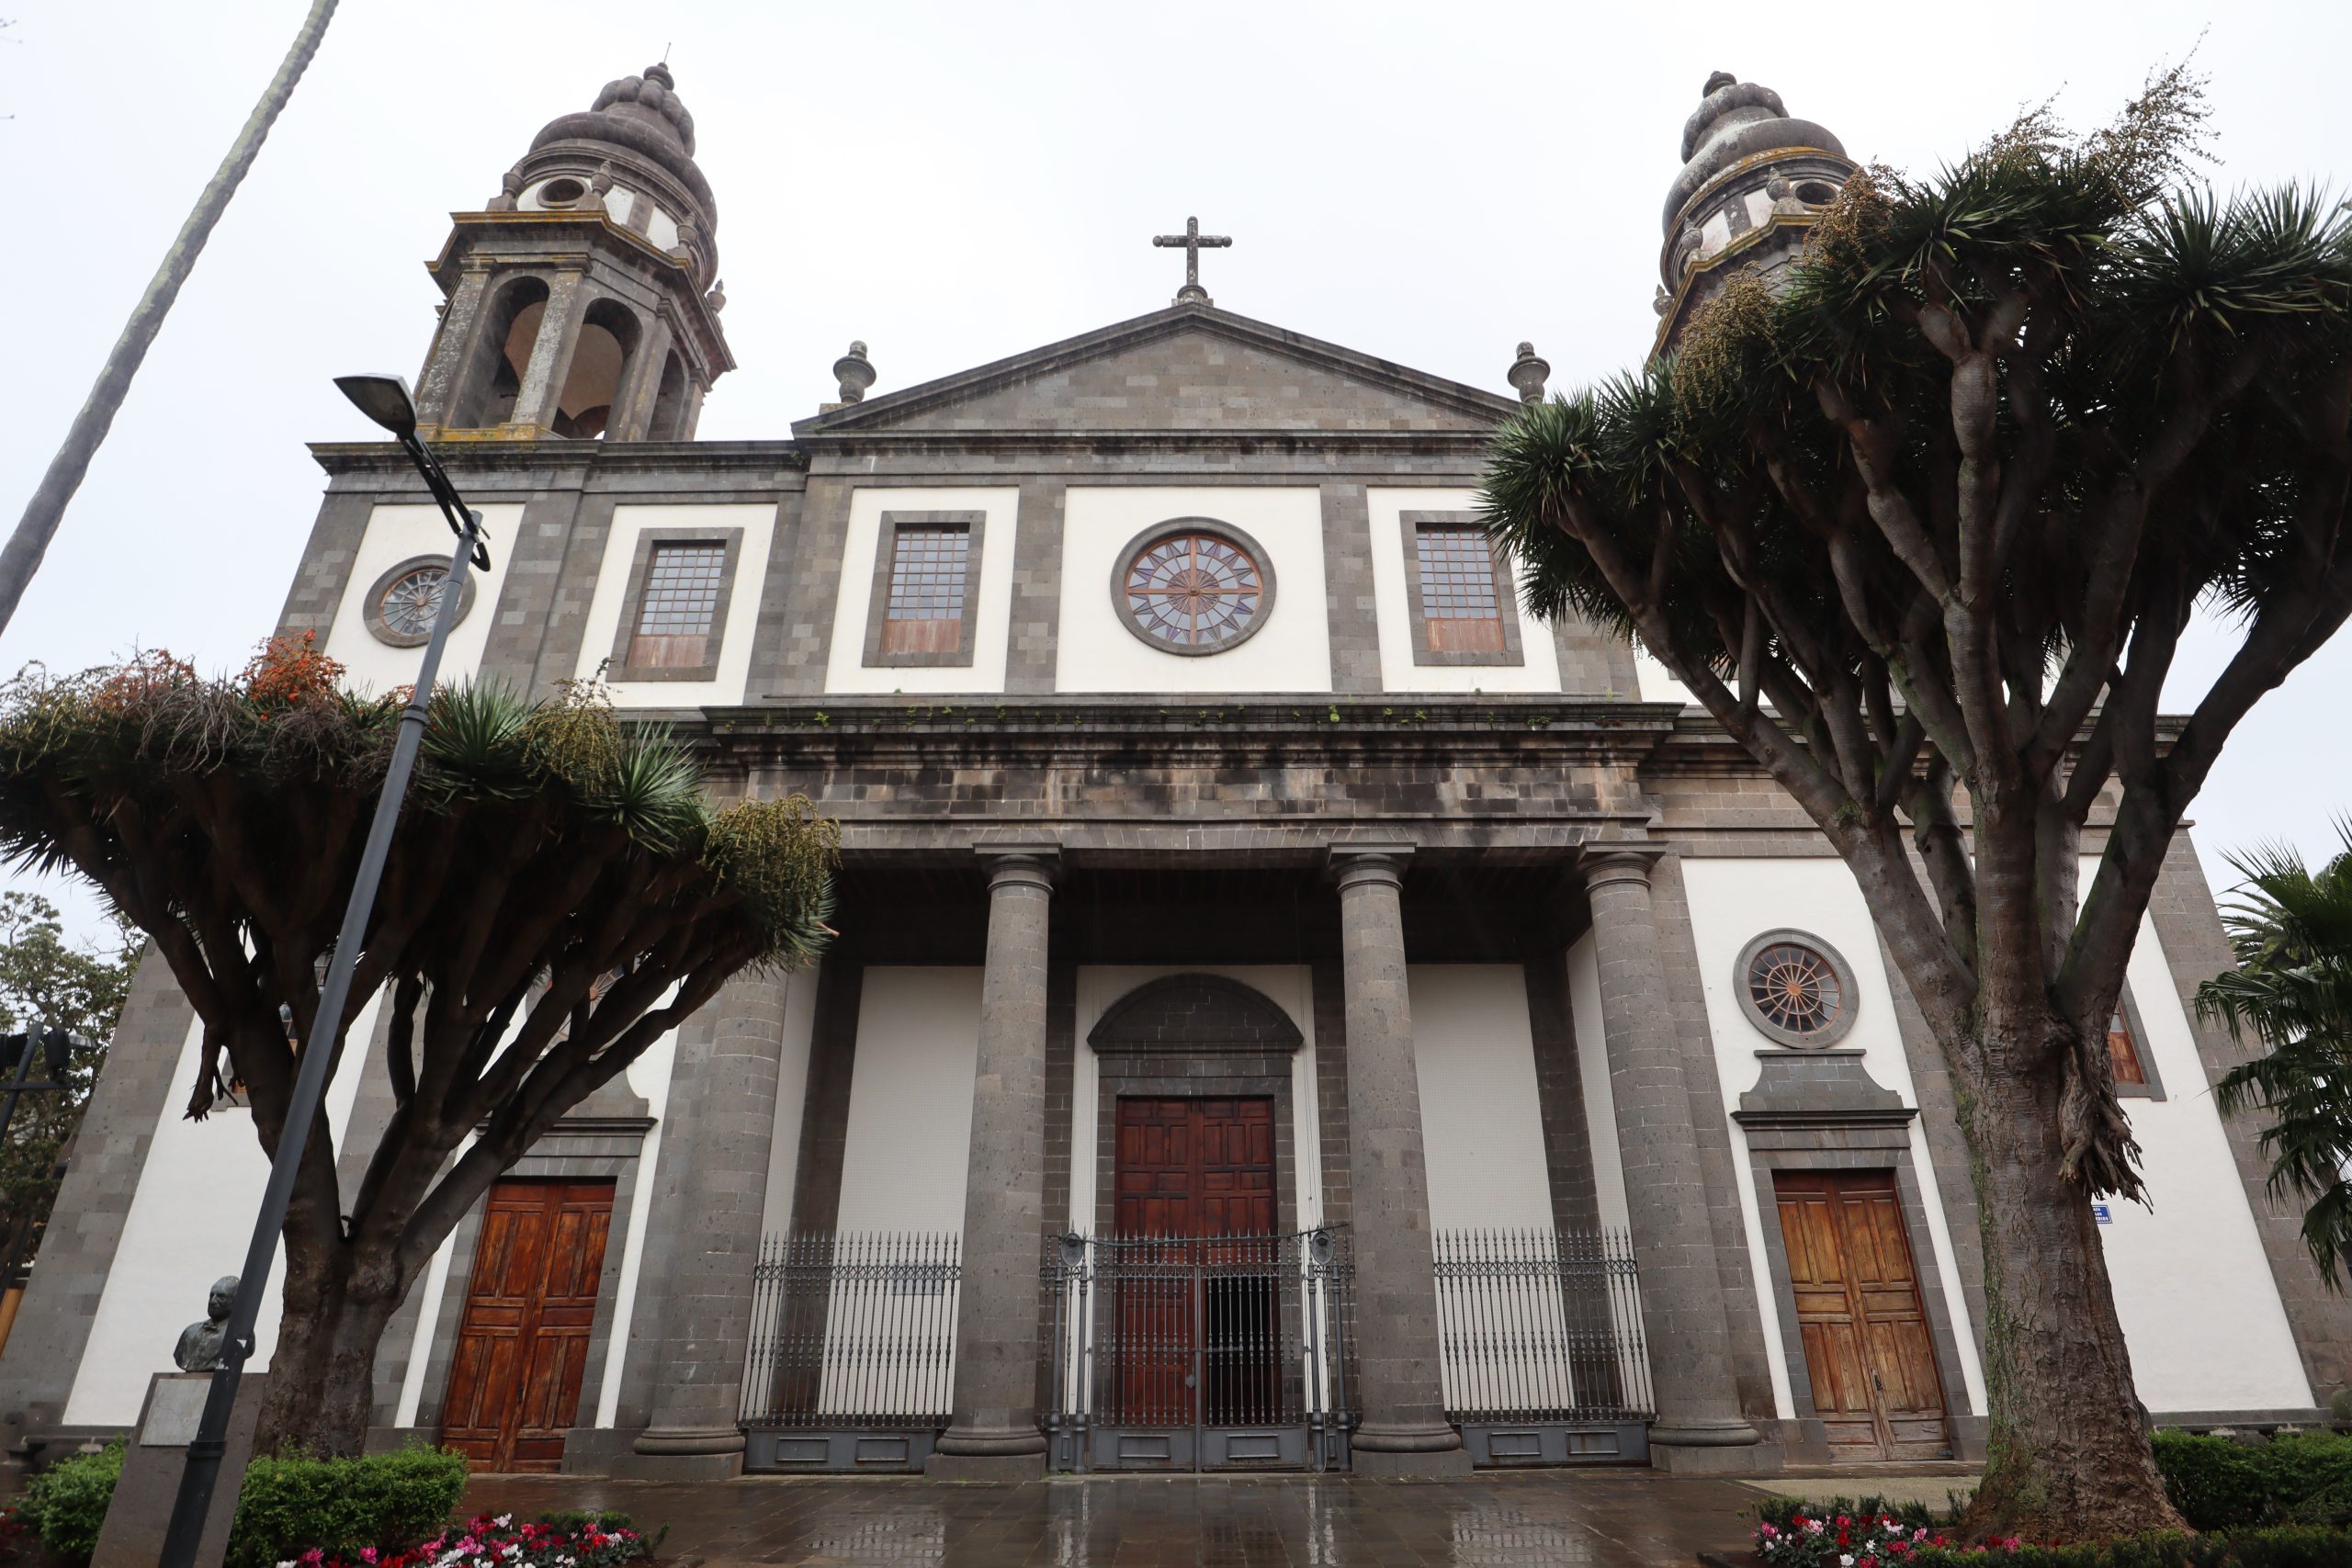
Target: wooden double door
[[1868, 1346], [1196, 1340], [530, 1306]]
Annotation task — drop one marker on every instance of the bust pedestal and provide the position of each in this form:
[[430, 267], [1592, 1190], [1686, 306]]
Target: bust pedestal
[[132, 1536]]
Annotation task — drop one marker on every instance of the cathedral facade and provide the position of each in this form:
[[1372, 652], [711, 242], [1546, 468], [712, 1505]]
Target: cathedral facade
[[1292, 1009]]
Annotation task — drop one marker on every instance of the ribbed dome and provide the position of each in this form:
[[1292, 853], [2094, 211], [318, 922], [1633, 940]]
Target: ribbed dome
[[1735, 121], [642, 115]]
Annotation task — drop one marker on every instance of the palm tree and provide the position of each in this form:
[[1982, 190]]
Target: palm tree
[[2292, 992], [22, 555]]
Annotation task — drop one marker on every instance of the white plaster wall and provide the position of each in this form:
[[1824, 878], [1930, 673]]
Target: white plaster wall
[[1288, 985], [845, 667], [1732, 902], [791, 1098], [394, 535], [759, 523], [648, 1077], [1292, 649], [911, 1100], [2199, 1304], [1592, 1073], [1482, 1131], [1541, 668], [1657, 683], [189, 1221]]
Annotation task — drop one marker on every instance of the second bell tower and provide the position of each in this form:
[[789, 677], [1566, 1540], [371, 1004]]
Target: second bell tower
[[583, 302]]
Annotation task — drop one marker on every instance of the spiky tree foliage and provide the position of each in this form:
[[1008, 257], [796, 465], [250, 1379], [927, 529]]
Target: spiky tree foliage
[[560, 893], [1921, 530], [2292, 992]]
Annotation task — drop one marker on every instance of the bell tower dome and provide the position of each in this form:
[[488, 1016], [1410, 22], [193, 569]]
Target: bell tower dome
[[584, 300], [1753, 179]]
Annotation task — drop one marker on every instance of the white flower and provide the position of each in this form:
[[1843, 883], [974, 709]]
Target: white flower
[[1847, 1561]]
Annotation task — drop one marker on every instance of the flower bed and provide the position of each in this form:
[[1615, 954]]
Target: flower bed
[[554, 1541], [1834, 1537]]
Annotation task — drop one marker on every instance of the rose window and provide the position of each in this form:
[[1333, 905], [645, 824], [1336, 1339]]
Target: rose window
[[1193, 591], [411, 601], [1795, 989]]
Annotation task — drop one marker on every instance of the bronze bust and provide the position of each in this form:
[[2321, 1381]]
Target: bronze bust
[[201, 1343]]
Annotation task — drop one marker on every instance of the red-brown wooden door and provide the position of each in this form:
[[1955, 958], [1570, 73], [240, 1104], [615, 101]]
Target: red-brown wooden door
[[1190, 1169], [523, 1344], [1868, 1349]]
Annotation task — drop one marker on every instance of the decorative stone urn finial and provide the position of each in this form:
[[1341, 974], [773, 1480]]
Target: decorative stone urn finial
[[716, 299], [1528, 373], [510, 186], [201, 1343], [854, 372]]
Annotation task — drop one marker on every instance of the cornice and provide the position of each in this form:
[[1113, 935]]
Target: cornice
[[344, 458]]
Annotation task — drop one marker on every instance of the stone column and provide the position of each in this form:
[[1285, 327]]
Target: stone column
[[551, 351], [1404, 1430], [1699, 1425], [994, 1433], [710, 1205]]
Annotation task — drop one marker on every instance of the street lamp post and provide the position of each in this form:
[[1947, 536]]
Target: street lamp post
[[385, 400]]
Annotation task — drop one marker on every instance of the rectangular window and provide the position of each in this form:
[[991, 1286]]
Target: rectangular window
[[2123, 1050], [925, 602], [930, 571], [1461, 602], [678, 608]]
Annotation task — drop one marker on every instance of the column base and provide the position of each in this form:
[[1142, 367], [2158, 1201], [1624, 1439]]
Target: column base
[[1434, 1451], [1712, 1448], [682, 1453]]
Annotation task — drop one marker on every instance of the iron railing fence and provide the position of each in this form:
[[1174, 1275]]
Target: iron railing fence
[[853, 1329], [1203, 1334], [1542, 1325]]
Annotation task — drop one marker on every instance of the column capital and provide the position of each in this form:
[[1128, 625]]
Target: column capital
[[1033, 862], [1598, 865], [1353, 864]]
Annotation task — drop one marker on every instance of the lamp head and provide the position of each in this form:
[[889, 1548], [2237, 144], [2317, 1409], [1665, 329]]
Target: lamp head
[[383, 399]]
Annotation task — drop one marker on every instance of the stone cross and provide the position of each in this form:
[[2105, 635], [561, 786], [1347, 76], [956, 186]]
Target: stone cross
[[1194, 241]]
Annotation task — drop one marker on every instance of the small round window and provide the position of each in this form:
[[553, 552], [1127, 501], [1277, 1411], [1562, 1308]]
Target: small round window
[[1192, 588], [1796, 988], [561, 192], [400, 608]]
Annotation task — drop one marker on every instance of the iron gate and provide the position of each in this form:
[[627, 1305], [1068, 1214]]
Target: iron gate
[[852, 1350], [1542, 1333], [1200, 1353]]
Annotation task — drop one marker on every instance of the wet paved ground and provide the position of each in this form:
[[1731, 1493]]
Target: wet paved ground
[[1607, 1520]]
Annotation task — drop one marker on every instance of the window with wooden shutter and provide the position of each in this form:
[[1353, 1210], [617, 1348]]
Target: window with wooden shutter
[[677, 612], [2123, 1050], [1462, 608], [930, 574]]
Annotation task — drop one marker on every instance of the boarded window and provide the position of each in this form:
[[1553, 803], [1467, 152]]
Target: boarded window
[[930, 570], [677, 612], [1461, 604], [2123, 1049]]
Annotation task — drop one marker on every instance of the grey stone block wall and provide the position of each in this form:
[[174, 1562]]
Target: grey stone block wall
[[1350, 602], [137, 1088], [327, 558], [1031, 657], [1559, 1093], [824, 1113], [1331, 1089], [2196, 947]]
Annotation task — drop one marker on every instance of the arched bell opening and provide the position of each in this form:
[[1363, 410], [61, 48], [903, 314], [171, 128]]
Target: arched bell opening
[[608, 336], [502, 354], [669, 420]]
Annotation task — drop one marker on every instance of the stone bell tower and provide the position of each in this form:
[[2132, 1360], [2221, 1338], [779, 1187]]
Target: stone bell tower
[[1752, 180], [584, 303]]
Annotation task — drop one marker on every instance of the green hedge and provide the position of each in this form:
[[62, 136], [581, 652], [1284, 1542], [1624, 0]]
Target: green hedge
[[387, 1501], [66, 1502], [288, 1505], [2289, 1546], [2295, 1478]]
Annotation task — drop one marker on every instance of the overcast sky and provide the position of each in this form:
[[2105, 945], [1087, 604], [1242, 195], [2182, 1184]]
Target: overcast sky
[[954, 183]]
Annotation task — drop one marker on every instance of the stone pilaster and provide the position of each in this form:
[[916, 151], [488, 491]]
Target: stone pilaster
[[994, 1434], [551, 351], [709, 1203], [1699, 1424], [1404, 1430]]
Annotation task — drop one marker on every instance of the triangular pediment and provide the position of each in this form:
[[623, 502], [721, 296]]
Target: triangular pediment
[[1187, 368]]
